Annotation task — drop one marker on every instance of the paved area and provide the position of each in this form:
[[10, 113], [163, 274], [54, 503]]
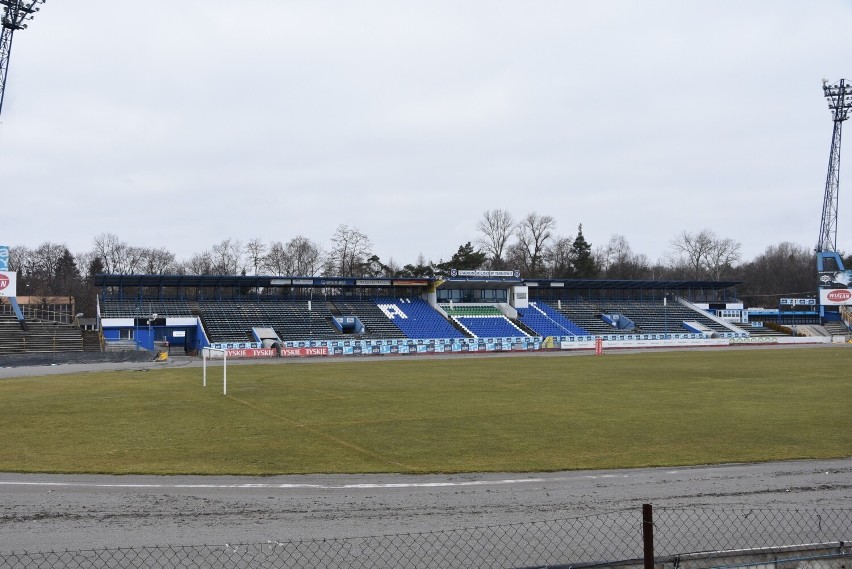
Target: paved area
[[41, 512]]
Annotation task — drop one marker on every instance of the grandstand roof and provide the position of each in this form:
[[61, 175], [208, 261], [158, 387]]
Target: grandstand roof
[[246, 281], [600, 284], [236, 281]]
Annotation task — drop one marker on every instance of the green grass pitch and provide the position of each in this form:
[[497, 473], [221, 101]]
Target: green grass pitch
[[516, 414]]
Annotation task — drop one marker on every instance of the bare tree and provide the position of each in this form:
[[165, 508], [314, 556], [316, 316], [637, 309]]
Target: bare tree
[[19, 258], [722, 258], [517, 257], [157, 261], [785, 269], [497, 227], [200, 264], [118, 257], [111, 251], [618, 261], [350, 250], [305, 256], [48, 270], [44, 265], [227, 257], [703, 254], [256, 250], [534, 233], [277, 260], [299, 256], [560, 258]]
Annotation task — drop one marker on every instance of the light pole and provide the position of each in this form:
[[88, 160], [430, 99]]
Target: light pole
[[839, 102], [15, 14]]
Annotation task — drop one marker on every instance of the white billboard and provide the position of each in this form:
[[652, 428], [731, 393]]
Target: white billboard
[[835, 296], [8, 284]]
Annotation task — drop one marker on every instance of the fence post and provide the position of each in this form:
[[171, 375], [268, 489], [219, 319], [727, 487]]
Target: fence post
[[648, 535]]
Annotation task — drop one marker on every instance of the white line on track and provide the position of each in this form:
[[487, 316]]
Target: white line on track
[[290, 486]]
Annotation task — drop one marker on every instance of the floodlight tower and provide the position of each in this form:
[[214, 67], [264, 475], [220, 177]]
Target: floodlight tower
[[15, 14], [839, 102]]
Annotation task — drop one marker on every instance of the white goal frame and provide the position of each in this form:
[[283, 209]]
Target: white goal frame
[[205, 353]]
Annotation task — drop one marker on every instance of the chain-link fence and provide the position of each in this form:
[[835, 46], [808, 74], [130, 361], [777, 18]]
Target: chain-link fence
[[680, 538]]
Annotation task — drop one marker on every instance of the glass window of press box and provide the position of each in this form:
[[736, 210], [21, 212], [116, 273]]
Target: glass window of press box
[[473, 295]]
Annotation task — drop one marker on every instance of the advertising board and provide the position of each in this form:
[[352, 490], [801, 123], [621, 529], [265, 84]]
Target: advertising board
[[835, 296], [303, 352], [253, 353], [835, 288], [8, 284]]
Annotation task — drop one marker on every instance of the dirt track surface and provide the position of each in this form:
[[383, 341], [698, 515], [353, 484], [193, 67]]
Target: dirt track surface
[[41, 512]]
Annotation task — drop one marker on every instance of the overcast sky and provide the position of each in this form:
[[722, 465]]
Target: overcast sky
[[180, 124]]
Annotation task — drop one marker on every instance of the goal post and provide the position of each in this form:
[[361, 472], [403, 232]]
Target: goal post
[[207, 353]]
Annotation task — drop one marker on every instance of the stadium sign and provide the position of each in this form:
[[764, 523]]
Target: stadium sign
[[485, 274], [8, 284], [835, 297]]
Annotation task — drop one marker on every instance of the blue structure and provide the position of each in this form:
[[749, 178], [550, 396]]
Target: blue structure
[[417, 318]]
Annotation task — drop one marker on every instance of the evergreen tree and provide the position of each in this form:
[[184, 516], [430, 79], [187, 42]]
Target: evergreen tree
[[466, 258], [583, 262], [96, 267], [67, 276]]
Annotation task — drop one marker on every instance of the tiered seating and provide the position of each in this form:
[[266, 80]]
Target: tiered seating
[[375, 321], [489, 326], [653, 317], [645, 315], [483, 321], [40, 336], [650, 316], [228, 321], [114, 308], [232, 321], [545, 321], [583, 314], [416, 318]]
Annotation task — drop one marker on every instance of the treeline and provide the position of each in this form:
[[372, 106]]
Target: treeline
[[530, 245]]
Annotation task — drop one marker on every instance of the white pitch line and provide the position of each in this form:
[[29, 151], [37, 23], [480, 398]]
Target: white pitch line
[[286, 486]]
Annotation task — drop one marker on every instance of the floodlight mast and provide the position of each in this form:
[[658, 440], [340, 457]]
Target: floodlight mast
[[839, 102], [15, 15]]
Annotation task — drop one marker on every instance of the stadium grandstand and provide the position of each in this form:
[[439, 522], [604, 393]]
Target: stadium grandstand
[[482, 311], [469, 311]]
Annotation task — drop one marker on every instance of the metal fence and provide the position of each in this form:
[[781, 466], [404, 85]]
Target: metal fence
[[678, 538]]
